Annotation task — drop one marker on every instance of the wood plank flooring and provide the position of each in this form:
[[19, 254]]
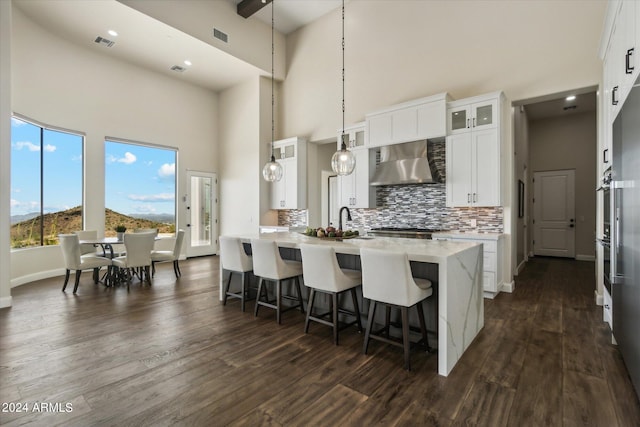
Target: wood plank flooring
[[171, 354]]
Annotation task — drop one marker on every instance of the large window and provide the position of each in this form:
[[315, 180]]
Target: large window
[[46, 183], [140, 187]]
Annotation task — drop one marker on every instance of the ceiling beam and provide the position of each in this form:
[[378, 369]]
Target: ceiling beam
[[246, 8]]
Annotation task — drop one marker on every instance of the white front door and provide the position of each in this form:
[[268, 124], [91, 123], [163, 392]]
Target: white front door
[[554, 213], [202, 214]]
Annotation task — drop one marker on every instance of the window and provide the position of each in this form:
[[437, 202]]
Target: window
[[46, 183], [140, 187]]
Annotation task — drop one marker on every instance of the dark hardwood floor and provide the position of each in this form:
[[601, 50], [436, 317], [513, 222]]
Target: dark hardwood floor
[[171, 354]]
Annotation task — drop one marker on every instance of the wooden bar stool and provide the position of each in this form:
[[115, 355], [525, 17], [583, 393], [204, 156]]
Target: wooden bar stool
[[323, 274], [387, 279], [270, 267], [234, 259]]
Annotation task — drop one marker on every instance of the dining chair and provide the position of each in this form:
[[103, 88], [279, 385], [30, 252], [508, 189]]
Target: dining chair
[[322, 273], [138, 247], [73, 260], [165, 256], [387, 280], [88, 248]]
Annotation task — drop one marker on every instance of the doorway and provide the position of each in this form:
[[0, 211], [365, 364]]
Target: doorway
[[554, 213], [202, 217]]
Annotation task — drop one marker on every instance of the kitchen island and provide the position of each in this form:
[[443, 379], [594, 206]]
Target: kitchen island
[[458, 282]]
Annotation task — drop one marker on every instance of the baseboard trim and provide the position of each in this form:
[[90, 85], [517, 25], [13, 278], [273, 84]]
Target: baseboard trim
[[599, 298], [5, 302], [520, 266], [508, 287], [37, 276], [585, 258]]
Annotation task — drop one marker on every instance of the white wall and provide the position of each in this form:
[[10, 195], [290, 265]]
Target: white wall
[[240, 149], [521, 165], [5, 153], [402, 49], [58, 83]]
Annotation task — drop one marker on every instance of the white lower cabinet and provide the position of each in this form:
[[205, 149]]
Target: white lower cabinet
[[607, 309], [492, 275]]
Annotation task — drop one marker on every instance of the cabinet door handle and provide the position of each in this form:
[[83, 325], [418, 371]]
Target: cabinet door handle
[[468, 197], [474, 122], [614, 100], [628, 67], [468, 124], [475, 197], [604, 155]]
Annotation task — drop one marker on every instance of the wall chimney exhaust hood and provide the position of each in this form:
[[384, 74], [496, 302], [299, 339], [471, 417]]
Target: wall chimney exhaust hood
[[406, 163]]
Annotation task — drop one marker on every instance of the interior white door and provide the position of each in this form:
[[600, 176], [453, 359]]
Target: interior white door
[[554, 225], [202, 217]]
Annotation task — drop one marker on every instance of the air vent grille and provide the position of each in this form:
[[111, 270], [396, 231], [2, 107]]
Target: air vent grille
[[178, 69], [572, 107], [220, 35], [104, 42]]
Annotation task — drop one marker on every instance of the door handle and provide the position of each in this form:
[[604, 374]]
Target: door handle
[[614, 100]]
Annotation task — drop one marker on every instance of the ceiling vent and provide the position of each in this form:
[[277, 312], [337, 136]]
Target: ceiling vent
[[572, 107], [220, 35], [178, 69], [104, 42]]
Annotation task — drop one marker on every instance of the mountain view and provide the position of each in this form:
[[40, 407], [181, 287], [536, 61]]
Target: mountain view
[[26, 232]]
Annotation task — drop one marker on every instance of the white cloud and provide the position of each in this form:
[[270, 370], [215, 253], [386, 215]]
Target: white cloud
[[128, 158], [33, 147], [16, 122], [144, 209], [167, 170], [161, 197]]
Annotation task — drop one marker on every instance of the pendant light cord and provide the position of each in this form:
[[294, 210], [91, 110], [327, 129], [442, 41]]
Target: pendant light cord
[[343, 146], [272, 95]]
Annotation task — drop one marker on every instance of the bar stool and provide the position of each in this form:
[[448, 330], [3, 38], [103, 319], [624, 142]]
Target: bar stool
[[323, 274], [387, 279], [270, 267], [234, 259]]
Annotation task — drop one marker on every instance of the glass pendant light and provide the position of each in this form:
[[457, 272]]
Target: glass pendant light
[[272, 171], [343, 161]]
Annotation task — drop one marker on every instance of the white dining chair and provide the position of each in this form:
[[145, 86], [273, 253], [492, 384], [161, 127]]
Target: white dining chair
[[73, 260], [138, 247], [322, 273], [166, 256], [387, 279], [234, 259], [88, 248], [269, 266]]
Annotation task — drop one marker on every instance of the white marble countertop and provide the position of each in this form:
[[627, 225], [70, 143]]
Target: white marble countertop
[[422, 250], [468, 235]]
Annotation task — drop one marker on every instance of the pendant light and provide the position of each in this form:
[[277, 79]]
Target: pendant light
[[272, 171], [343, 161]]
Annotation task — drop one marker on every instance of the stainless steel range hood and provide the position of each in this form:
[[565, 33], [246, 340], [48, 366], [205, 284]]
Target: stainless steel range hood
[[406, 163]]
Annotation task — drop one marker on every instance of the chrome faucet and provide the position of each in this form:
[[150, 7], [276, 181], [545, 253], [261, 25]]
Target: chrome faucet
[[340, 216]]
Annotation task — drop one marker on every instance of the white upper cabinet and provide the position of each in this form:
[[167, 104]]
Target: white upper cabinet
[[473, 156], [620, 44], [480, 115], [355, 191], [411, 121], [291, 191]]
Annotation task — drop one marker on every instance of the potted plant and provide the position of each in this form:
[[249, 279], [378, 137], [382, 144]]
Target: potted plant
[[120, 229]]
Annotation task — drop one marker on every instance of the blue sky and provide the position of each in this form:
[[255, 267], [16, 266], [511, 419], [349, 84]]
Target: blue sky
[[139, 179]]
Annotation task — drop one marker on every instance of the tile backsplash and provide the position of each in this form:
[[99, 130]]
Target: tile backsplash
[[416, 205]]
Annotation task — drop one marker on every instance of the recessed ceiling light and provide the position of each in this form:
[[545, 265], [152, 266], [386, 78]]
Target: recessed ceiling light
[[571, 97], [113, 33], [187, 62]]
